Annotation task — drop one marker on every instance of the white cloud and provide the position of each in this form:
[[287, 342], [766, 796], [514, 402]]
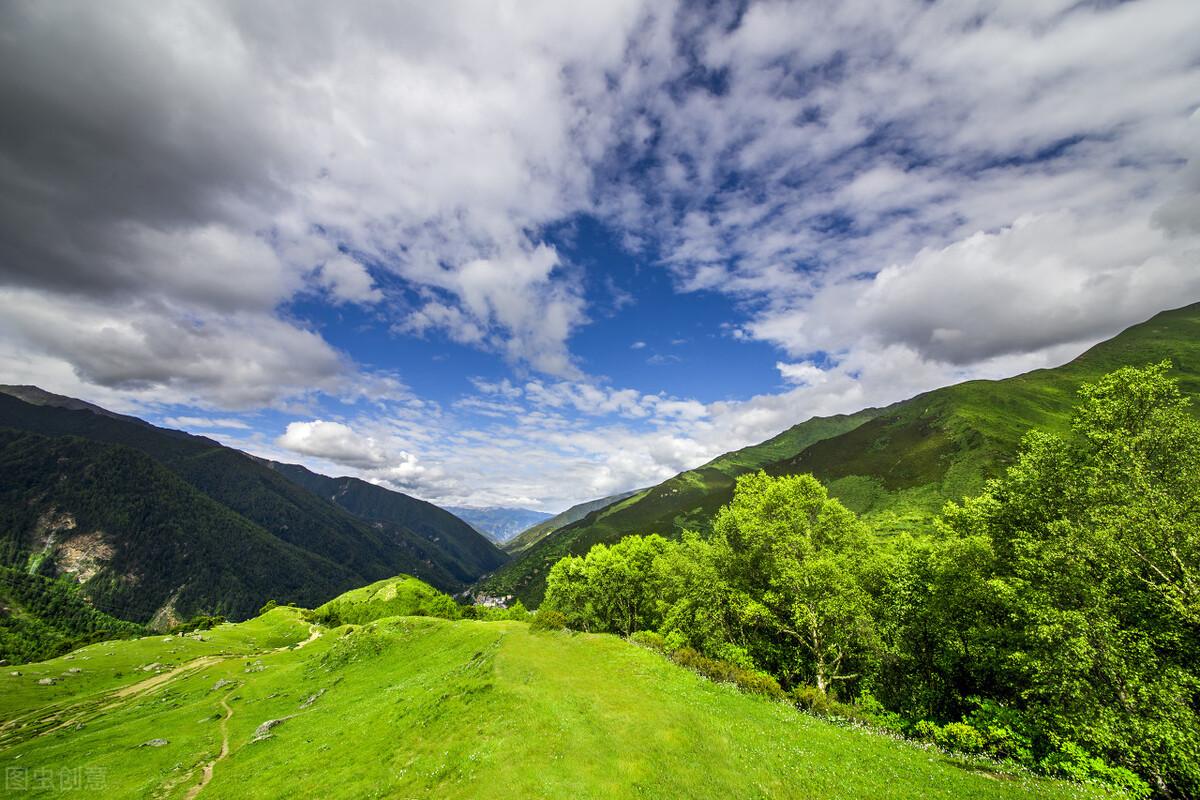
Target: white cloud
[[207, 422], [349, 281]]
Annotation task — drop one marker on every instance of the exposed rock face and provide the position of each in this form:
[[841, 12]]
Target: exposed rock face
[[166, 617], [83, 555]]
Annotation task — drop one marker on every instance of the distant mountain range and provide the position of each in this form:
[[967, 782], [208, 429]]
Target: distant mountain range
[[498, 523], [896, 465], [156, 525]]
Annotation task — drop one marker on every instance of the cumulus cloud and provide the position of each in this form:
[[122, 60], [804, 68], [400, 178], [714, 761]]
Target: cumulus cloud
[[349, 281]]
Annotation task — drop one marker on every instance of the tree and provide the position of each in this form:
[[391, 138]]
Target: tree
[[1097, 552], [792, 560], [611, 589]]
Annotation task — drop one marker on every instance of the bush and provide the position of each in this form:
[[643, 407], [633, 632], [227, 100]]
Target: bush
[[814, 701], [270, 604], [650, 639], [546, 620], [959, 737], [873, 710], [724, 672], [200, 622], [1072, 761], [925, 730], [1006, 732]]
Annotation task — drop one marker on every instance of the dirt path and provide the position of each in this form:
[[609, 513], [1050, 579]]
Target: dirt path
[[207, 773], [153, 682]]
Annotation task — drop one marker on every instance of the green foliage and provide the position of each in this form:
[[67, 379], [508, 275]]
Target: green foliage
[[612, 589], [959, 737], [547, 620], [202, 622], [750, 681], [401, 596], [1053, 620], [42, 618]]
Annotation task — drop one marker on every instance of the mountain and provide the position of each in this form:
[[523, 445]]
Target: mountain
[[419, 707], [897, 465], [156, 525], [463, 551], [498, 523], [531, 536]]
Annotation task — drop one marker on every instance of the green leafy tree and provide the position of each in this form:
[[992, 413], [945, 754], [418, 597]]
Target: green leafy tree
[[1097, 551], [792, 559]]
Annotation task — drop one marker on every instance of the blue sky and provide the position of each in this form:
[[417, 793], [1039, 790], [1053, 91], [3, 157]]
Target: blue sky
[[531, 254]]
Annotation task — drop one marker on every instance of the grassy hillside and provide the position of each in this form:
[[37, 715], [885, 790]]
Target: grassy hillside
[[532, 535], [897, 466], [401, 596], [420, 707]]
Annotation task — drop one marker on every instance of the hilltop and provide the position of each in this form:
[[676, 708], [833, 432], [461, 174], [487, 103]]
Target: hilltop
[[424, 707], [896, 466]]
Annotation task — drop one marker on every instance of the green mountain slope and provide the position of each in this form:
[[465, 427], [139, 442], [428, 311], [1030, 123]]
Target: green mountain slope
[[460, 549], [534, 534], [897, 466], [170, 524], [683, 501], [41, 618], [140, 540], [421, 707]]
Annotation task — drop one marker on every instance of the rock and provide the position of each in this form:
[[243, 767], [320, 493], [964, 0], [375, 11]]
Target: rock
[[155, 743], [167, 639], [74, 671], [152, 667], [312, 699], [46, 682], [15, 674], [221, 684], [264, 731]]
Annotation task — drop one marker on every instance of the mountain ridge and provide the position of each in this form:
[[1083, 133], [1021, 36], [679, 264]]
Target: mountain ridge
[[895, 465]]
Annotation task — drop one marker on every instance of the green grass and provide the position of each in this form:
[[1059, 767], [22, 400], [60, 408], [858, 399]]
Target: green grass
[[422, 707], [896, 466], [402, 596]]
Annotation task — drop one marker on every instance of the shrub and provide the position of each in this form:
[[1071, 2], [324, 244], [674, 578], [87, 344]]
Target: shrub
[[812, 699], [267, 607], [547, 620], [925, 730], [1006, 732], [959, 737], [724, 672], [650, 639], [1072, 761]]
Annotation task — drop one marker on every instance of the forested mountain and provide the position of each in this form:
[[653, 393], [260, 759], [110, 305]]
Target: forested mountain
[[896, 466], [499, 523], [157, 525], [463, 551]]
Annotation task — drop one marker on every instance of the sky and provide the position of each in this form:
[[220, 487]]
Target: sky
[[531, 254]]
